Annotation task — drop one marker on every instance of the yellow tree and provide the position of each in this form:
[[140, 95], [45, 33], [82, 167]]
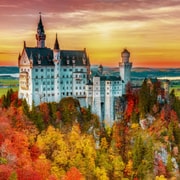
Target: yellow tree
[[82, 151], [55, 149]]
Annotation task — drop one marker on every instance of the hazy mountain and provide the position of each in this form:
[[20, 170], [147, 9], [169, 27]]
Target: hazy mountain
[[137, 72]]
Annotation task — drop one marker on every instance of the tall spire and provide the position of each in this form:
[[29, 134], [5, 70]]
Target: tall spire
[[40, 24], [56, 44], [40, 36]]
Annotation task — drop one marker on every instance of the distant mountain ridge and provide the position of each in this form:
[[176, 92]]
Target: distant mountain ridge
[[137, 72], [9, 69], [143, 72]]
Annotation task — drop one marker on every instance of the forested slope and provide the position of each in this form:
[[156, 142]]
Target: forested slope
[[65, 141]]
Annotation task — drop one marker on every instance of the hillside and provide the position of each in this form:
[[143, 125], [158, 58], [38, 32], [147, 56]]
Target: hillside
[[63, 141]]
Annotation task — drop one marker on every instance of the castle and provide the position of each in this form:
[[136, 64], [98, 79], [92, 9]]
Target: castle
[[48, 75]]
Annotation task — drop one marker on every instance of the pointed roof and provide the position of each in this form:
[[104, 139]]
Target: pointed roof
[[40, 25], [56, 44], [125, 51]]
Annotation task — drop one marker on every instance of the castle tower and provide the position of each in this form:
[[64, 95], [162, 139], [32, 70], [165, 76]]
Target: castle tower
[[40, 36], [125, 66], [56, 59]]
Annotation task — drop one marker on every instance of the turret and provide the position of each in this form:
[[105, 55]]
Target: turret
[[100, 69], [125, 66], [56, 50], [40, 36], [125, 56]]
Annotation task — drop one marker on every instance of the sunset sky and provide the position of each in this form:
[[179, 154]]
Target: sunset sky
[[150, 30]]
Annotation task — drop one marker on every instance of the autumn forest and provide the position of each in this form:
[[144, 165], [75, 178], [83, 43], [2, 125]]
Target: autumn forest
[[63, 141]]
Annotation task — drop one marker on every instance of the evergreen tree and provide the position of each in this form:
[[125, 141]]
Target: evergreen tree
[[149, 158], [144, 99], [6, 99], [169, 164], [175, 103], [25, 107], [70, 110], [138, 152]]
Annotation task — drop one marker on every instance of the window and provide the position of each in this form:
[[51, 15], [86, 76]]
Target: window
[[41, 70], [52, 70], [36, 70]]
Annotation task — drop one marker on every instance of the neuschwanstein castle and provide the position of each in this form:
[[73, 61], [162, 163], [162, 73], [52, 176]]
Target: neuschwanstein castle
[[48, 75]]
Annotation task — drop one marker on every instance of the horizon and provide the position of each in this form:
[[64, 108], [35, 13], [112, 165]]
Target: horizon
[[149, 31], [134, 67]]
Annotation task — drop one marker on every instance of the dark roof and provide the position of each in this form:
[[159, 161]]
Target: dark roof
[[56, 44], [100, 66], [76, 57], [40, 25], [110, 78], [45, 55], [126, 51]]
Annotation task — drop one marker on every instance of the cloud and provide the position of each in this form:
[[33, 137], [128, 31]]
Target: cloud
[[7, 53], [8, 6]]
